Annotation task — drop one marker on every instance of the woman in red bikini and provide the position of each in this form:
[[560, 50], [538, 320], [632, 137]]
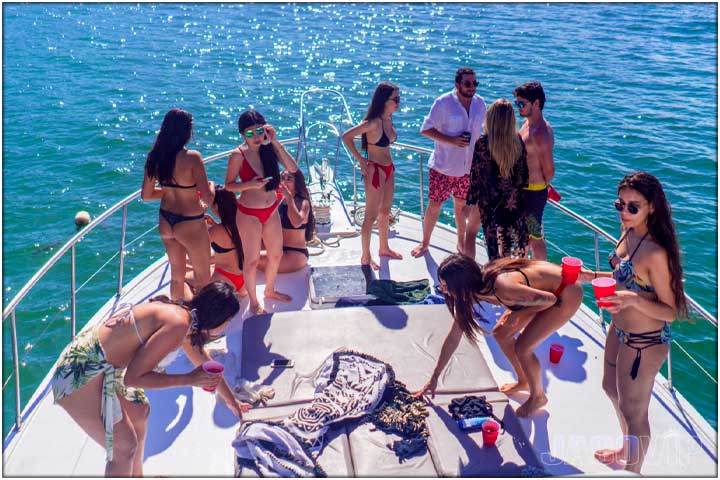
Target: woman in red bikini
[[225, 242], [378, 170], [181, 174], [256, 163]]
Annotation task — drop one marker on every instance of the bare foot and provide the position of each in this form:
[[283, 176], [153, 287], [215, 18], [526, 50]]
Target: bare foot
[[610, 455], [420, 249], [257, 309], [510, 388], [531, 406], [369, 261], [390, 253], [283, 297]]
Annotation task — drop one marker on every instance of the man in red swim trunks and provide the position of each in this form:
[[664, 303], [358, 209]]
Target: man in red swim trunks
[[453, 115]]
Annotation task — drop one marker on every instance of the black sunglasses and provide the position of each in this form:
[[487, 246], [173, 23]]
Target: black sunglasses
[[520, 104], [395, 99], [632, 208], [468, 83]]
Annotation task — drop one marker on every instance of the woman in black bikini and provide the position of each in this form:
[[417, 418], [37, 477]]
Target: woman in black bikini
[[225, 242], [378, 170], [256, 163], [181, 175], [526, 288], [649, 295], [298, 222]]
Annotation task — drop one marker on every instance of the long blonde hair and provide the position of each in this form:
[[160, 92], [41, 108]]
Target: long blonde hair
[[503, 142]]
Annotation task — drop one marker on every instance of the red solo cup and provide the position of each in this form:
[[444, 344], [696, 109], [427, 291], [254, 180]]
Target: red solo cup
[[215, 368], [490, 430], [570, 269], [553, 194], [556, 351], [604, 287]]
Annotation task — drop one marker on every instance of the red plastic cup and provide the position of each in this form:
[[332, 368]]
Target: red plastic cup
[[490, 430], [570, 269], [215, 368], [603, 287], [556, 351], [553, 194]]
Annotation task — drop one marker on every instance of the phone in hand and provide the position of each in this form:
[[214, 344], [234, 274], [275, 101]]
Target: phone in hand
[[282, 363]]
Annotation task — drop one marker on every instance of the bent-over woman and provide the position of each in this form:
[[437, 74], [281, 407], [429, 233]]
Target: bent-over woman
[[525, 287], [378, 133], [649, 296], [101, 374], [298, 222], [181, 174], [255, 162]]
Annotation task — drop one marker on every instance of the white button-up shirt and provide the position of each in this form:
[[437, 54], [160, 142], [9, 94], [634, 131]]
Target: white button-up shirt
[[449, 117]]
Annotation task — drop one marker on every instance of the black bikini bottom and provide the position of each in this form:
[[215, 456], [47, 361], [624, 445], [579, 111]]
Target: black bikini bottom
[[304, 251], [641, 341], [173, 218]]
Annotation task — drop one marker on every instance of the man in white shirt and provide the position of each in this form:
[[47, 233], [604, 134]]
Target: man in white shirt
[[455, 122]]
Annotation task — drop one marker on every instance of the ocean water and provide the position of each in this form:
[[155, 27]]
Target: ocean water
[[85, 87]]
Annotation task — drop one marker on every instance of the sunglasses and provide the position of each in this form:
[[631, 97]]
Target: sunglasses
[[258, 131], [395, 99], [632, 207], [520, 104], [468, 83]]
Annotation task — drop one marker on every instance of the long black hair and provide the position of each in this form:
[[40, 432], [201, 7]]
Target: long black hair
[[268, 156], [466, 282], [377, 105], [301, 192], [662, 229], [175, 132], [227, 210], [211, 306]]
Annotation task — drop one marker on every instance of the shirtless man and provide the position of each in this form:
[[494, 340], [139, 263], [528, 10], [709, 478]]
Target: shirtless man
[[539, 140]]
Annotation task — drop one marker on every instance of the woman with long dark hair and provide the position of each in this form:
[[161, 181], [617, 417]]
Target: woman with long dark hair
[[225, 241], [498, 175], [298, 222], [100, 377], [649, 296], [255, 162], [526, 288], [181, 174], [377, 169]]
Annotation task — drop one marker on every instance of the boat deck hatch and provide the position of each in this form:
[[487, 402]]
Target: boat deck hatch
[[329, 284]]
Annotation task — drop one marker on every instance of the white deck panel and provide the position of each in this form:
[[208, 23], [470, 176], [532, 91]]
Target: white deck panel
[[190, 434]]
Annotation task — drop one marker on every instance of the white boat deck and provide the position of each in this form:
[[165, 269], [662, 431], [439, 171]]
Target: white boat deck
[[190, 433]]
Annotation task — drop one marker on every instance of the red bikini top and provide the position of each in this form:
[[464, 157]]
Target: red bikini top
[[246, 171]]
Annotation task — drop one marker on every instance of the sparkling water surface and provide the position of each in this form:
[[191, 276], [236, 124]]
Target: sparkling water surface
[[85, 87]]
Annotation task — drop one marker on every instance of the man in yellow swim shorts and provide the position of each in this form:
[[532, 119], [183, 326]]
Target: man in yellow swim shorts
[[539, 140]]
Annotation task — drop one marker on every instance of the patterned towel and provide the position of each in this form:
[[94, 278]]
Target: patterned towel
[[349, 385]]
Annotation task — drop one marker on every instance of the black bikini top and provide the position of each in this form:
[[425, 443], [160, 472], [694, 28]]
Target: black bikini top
[[285, 220], [513, 308], [384, 140], [218, 249], [175, 185]]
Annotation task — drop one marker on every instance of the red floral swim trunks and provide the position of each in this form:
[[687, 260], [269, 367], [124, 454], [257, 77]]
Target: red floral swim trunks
[[442, 186]]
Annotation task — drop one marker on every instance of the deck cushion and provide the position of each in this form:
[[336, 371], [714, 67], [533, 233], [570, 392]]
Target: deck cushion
[[407, 337]]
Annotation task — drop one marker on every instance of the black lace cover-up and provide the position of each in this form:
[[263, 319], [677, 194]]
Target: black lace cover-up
[[500, 201]]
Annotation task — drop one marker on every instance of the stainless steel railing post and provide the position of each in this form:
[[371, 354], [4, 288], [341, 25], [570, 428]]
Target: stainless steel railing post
[[122, 251], [72, 292], [16, 364], [597, 268], [669, 372], [422, 189]]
